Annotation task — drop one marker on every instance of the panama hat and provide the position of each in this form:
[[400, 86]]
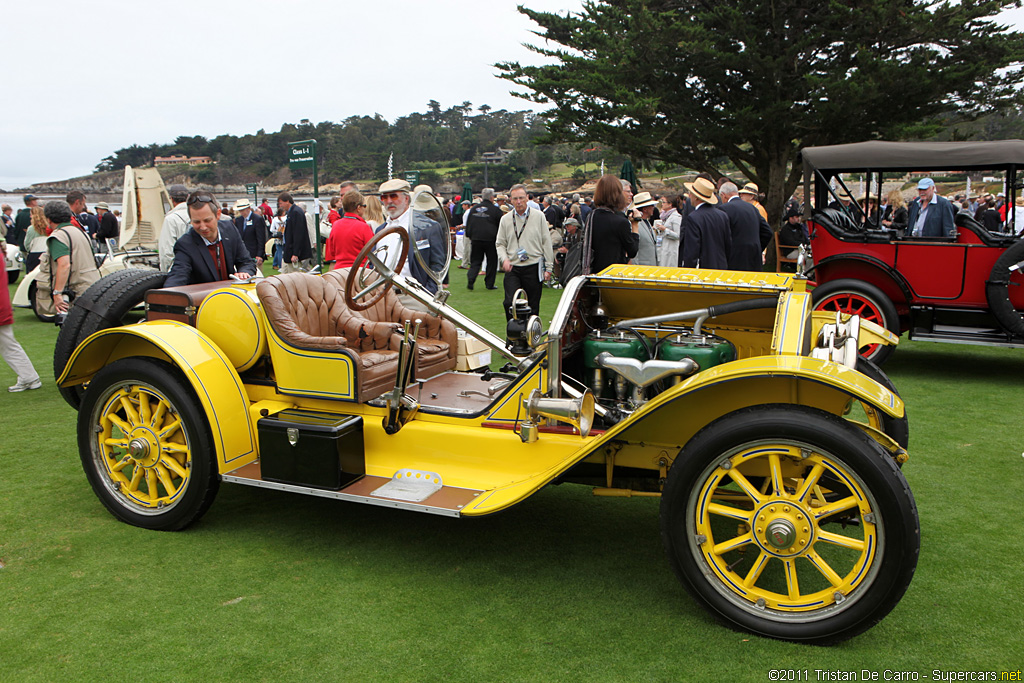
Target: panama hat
[[242, 204], [102, 205], [643, 199], [703, 188], [750, 188]]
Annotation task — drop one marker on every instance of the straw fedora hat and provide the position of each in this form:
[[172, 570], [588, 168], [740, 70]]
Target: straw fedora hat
[[750, 188], [643, 199], [703, 188]]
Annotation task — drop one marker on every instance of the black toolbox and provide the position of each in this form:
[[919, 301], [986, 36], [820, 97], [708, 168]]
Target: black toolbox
[[318, 450]]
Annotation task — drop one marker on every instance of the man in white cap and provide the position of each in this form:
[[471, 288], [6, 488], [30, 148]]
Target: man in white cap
[[647, 253], [706, 236], [425, 235], [930, 215], [253, 230]]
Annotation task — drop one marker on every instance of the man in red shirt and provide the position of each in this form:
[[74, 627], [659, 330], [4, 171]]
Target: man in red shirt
[[349, 233]]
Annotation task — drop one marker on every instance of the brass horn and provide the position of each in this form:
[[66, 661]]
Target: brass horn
[[579, 411]]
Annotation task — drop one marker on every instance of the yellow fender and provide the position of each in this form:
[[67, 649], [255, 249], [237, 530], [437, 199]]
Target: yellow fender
[[208, 370]]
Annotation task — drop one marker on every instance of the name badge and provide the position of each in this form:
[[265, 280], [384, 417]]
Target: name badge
[[422, 244]]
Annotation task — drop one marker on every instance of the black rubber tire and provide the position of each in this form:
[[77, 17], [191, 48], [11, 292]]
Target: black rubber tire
[[890, 569], [105, 304], [203, 481], [997, 290], [885, 308], [32, 303], [12, 276], [897, 428]]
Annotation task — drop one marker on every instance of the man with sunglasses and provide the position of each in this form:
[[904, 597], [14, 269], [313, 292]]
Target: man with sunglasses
[[212, 250]]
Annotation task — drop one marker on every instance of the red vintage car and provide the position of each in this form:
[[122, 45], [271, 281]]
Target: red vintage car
[[961, 288]]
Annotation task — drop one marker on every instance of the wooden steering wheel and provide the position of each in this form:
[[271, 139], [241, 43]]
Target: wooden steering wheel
[[362, 291]]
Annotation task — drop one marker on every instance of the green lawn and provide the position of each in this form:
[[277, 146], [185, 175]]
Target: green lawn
[[567, 586]]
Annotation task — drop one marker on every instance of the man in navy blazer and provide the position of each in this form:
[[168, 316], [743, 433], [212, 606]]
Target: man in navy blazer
[[750, 232], [706, 237], [253, 229], [212, 250], [930, 215]]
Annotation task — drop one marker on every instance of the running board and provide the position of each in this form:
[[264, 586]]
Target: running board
[[447, 501], [981, 338]]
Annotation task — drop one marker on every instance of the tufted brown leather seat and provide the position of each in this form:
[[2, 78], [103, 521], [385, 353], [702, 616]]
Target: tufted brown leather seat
[[309, 312], [437, 342]]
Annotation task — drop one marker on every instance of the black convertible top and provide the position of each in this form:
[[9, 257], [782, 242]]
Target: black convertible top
[[878, 155]]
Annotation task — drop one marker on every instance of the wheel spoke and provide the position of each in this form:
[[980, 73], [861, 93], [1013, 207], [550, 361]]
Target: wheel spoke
[[172, 447], [165, 478], [133, 485], [174, 466], [158, 415], [727, 511], [121, 424], [792, 583], [170, 429], [745, 484], [822, 566], [380, 265], [840, 540], [755, 571], [151, 485], [144, 410], [839, 506], [363, 292], [733, 544], [810, 481], [776, 469], [118, 443], [129, 410]]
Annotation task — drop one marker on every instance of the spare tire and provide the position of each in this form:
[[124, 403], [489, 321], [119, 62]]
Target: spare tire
[[997, 289], [107, 303]]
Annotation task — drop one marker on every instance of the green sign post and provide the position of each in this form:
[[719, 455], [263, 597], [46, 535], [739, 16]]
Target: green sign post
[[250, 188], [412, 177], [302, 154]]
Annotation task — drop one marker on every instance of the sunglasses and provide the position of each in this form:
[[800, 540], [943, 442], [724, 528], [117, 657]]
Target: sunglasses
[[200, 198], [392, 195]]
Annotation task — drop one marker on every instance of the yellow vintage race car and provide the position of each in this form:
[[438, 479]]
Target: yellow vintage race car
[[774, 448]]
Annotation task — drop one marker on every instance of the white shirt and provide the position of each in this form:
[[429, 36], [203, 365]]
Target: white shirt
[[393, 244]]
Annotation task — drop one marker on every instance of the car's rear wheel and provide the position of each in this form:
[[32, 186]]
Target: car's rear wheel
[[822, 550], [145, 446], [869, 302]]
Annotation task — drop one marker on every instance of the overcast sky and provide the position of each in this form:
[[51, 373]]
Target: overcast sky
[[84, 79]]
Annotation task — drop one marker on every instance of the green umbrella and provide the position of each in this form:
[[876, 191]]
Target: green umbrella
[[467, 193], [629, 173]]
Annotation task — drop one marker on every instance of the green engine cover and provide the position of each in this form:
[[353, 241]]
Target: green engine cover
[[620, 346], [707, 350]]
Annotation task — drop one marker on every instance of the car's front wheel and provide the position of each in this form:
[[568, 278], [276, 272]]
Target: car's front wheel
[[791, 523], [854, 297], [145, 445]]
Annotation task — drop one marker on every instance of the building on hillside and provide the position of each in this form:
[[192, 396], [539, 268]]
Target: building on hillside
[[182, 159]]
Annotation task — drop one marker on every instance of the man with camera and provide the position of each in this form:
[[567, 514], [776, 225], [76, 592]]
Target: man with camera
[[524, 250]]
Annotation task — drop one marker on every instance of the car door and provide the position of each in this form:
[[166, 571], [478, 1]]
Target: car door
[[934, 270]]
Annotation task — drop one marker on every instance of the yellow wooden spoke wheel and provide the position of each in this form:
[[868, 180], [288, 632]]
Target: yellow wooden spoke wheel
[[145, 446], [790, 523]]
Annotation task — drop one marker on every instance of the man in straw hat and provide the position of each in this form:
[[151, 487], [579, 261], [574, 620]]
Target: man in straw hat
[[706, 236], [845, 202], [749, 193], [647, 253], [749, 232]]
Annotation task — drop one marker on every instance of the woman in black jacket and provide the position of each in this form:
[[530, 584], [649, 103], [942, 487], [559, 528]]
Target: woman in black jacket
[[897, 214], [610, 238]]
